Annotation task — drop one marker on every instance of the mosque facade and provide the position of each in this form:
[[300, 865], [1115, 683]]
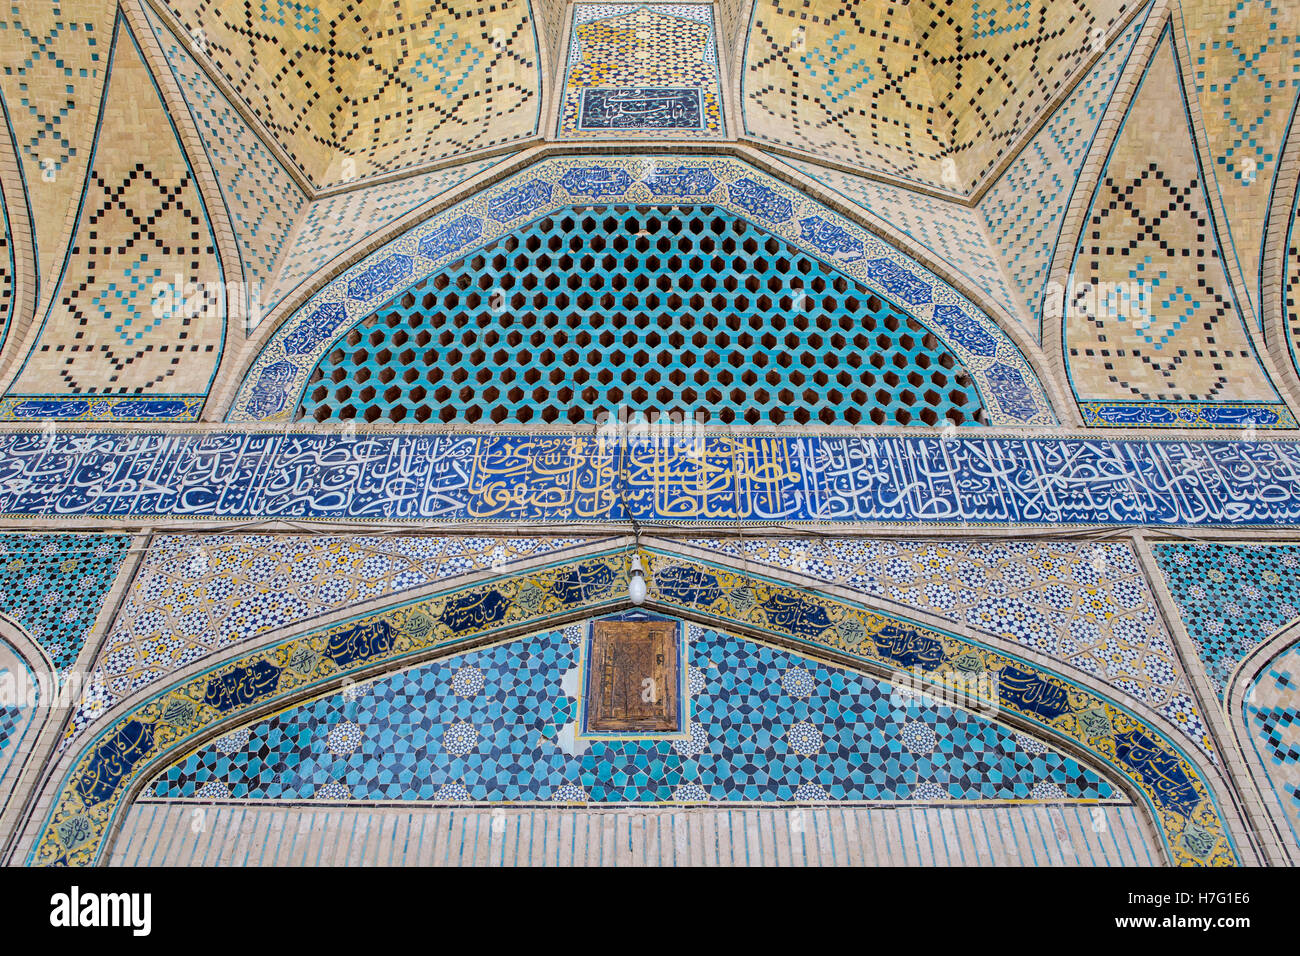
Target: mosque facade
[[753, 432]]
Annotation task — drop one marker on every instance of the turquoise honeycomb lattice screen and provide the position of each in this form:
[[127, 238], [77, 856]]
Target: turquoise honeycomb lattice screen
[[657, 311]]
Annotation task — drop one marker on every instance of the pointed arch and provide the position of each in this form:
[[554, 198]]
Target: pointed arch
[[90, 786], [1005, 378], [1148, 263]]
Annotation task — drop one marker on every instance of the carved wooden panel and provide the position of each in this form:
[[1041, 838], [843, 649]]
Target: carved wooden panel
[[632, 677]]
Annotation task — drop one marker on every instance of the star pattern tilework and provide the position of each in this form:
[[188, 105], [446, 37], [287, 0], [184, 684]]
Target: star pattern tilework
[[10, 719], [53, 586], [1271, 714], [1025, 206], [1085, 605], [1149, 222], [197, 594], [142, 223], [839, 736], [261, 196], [1231, 597]]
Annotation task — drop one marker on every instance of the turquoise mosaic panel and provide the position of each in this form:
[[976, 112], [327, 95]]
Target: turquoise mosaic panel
[[497, 725], [53, 586], [681, 311], [1231, 597]]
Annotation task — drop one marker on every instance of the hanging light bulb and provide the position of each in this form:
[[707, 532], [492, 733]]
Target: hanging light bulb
[[636, 584]]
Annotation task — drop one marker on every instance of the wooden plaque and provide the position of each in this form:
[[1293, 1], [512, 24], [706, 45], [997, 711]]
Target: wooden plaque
[[632, 677]]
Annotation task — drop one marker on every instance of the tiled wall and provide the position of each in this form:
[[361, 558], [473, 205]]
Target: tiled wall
[[448, 77], [142, 222]]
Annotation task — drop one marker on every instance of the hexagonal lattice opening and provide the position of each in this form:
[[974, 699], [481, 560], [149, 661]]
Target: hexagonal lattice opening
[[678, 311]]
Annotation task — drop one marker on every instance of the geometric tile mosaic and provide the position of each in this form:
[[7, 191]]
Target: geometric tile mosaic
[[1025, 207], [647, 69], [956, 234], [497, 725], [163, 727], [333, 224], [1291, 283], [262, 199], [1271, 715], [1231, 597], [1086, 605], [194, 595], [354, 89], [1180, 353], [683, 311], [935, 91], [142, 222], [55, 57], [53, 586], [13, 722], [1246, 68]]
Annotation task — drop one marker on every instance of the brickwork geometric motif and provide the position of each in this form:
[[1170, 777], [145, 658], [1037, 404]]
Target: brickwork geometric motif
[[54, 57], [1008, 56], [348, 100], [934, 91], [1231, 598], [647, 69], [196, 594], [956, 234], [844, 86], [333, 224], [142, 223], [1149, 223], [261, 197], [53, 586], [1246, 66], [1087, 606], [1025, 207], [498, 725], [688, 318]]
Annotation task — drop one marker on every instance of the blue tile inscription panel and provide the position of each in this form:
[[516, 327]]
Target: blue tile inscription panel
[[828, 479]]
